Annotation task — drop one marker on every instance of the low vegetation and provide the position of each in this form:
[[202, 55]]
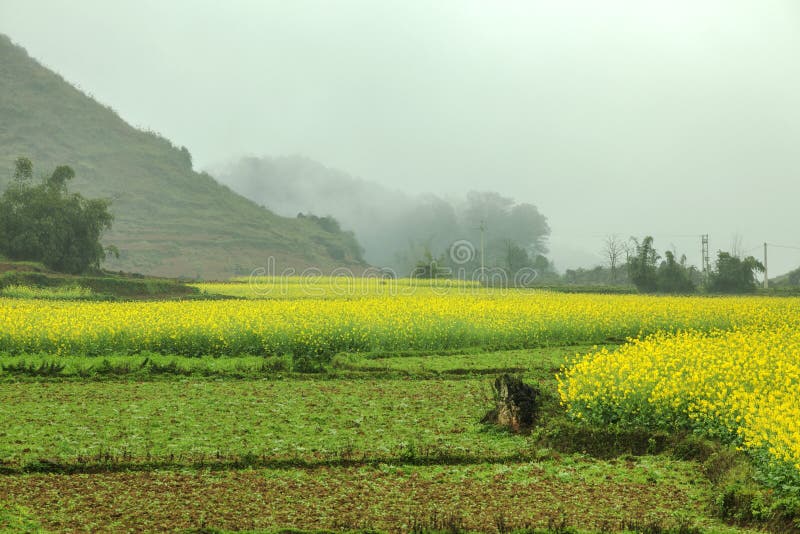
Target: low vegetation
[[21, 284], [48, 293], [363, 410], [390, 442]]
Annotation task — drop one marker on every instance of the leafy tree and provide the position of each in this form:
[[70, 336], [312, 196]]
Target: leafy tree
[[504, 220], [516, 258], [526, 269], [674, 276], [529, 228], [44, 222], [650, 276], [643, 265], [23, 169], [430, 267], [734, 275]]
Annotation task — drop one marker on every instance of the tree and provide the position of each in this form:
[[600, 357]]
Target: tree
[[734, 275], [613, 249], [529, 228], [430, 267], [23, 169], [504, 220], [674, 276], [516, 258], [643, 265], [44, 222]]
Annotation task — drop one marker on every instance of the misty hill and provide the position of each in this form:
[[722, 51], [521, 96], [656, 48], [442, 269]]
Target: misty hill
[[790, 279], [395, 228], [169, 220]]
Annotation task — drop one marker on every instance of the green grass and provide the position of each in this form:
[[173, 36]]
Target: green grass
[[191, 420], [393, 498], [16, 518], [276, 421], [143, 367], [537, 364], [17, 281], [48, 293], [375, 442]]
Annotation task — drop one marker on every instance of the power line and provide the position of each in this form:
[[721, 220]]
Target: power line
[[560, 235], [784, 246]]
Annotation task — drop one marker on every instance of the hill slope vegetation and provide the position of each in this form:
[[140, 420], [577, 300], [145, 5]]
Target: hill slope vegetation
[[169, 219]]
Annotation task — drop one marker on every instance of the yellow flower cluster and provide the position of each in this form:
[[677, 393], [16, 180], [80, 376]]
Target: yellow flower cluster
[[510, 319], [742, 385]]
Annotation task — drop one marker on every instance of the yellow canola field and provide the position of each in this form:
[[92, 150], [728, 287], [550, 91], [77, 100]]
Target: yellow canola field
[[326, 326], [333, 287], [742, 385]]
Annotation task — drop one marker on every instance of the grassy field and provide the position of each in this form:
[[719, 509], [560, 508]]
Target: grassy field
[[31, 280], [379, 442], [113, 424]]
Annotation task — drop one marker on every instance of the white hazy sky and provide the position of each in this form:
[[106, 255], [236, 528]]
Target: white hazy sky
[[670, 118]]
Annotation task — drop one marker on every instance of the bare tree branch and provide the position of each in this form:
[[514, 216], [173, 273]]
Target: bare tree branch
[[613, 250]]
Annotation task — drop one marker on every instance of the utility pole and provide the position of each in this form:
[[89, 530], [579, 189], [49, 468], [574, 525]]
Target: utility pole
[[483, 261], [704, 258], [766, 272]]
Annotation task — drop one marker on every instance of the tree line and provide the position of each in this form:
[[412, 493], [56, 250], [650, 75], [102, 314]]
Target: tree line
[[41, 220], [652, 273]]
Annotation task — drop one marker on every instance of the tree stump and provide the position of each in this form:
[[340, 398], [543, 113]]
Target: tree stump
[[517, 404]]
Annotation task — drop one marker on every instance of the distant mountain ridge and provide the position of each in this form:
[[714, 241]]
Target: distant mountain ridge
[[169, 219]]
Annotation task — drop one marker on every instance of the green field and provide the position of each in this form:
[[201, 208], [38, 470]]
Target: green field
[[152, 416], [377, 442]]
